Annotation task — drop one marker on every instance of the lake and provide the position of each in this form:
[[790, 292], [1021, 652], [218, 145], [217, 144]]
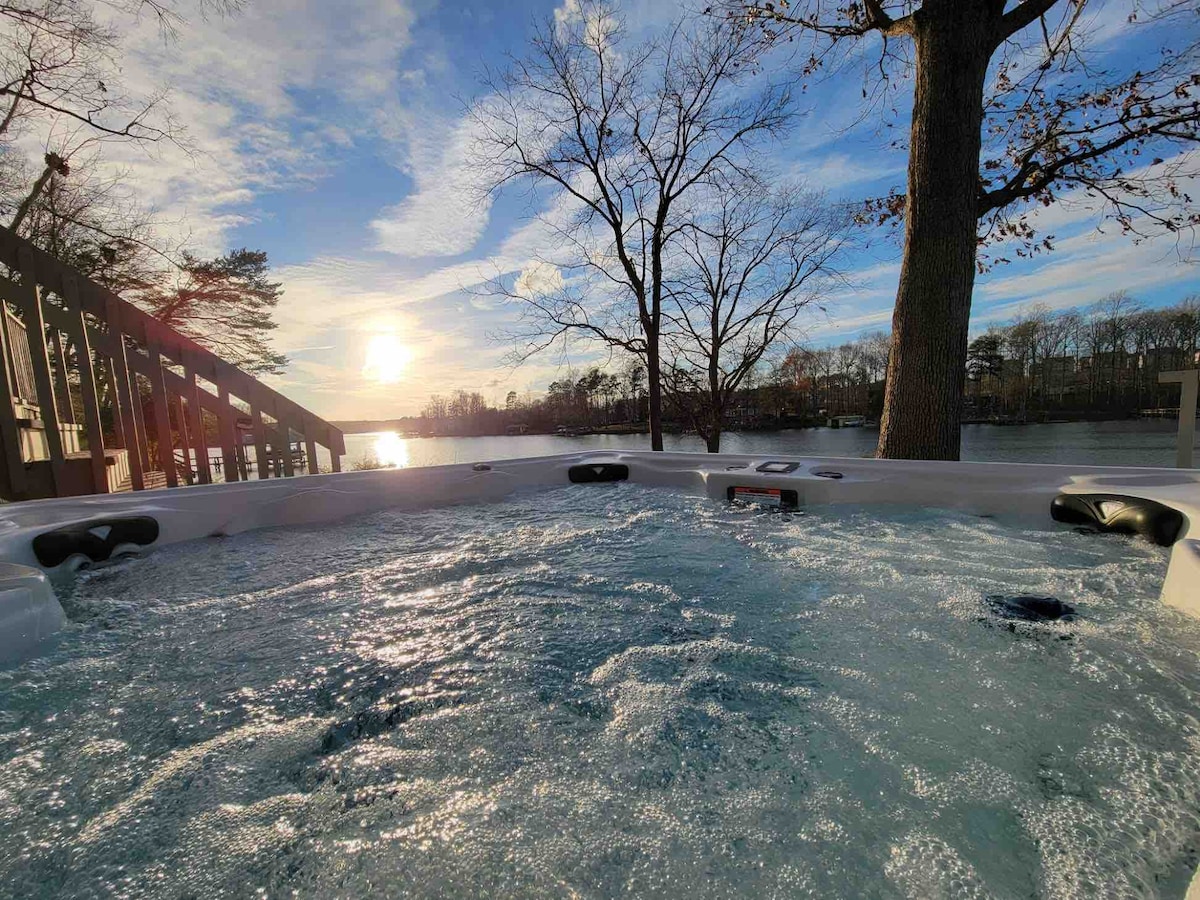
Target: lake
[[1133, 442]]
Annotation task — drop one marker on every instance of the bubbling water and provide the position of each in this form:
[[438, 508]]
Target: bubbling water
[[610, 689]]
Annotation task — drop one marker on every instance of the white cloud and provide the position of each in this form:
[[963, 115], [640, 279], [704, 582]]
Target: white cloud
[[1081, 271], [864, 305], [836, 171], [567, 15], [232, 84], [448, 210], [598, 24]]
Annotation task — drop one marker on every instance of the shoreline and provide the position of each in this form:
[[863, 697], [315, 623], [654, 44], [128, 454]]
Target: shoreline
[[392, 426]]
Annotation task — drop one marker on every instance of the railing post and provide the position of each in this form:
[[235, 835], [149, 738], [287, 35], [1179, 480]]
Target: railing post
[[310, 450], [336, 447], [196, 423], [139, 421], [124, 397], [10, 435], [64, 386], [29, 298], [183, 440], [162, 416], [260, 441], [285, 432], [1189, 387], [10, 364], [228, 426], [87, 382], [110, 375]]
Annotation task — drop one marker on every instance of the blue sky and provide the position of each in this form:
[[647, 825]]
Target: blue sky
[[332, 135]]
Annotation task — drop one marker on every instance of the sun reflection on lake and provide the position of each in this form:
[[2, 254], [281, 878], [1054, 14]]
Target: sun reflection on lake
[[391, 450]]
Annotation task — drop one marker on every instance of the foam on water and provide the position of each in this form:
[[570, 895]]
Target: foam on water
[[609, 689]]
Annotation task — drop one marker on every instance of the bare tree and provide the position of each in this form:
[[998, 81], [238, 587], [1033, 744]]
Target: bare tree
[[875, 354], [58, 63], [1114, 313], [754, 260], [438, 407], [92, 222], [1010, 110], [620, 135], [60, 80]]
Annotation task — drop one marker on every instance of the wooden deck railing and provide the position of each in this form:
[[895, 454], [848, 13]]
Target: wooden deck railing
[[131, 355]]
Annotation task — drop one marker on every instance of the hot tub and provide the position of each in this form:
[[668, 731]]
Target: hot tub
[[594, 674], [27, 613]]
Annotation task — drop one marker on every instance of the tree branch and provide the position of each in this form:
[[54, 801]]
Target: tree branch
[[1022, 16]]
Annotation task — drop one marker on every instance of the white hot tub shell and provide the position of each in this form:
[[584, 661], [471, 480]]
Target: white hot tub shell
[[29, 612]]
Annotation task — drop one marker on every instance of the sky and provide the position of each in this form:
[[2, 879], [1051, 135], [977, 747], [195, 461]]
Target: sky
[[335, 137]]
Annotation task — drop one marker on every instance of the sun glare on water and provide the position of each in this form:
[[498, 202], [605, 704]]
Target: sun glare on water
[[391, 450], [387, 359]]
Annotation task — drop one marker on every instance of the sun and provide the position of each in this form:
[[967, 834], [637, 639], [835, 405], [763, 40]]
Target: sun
[[387, 359]]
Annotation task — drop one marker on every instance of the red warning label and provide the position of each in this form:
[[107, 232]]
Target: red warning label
[[762, 496]]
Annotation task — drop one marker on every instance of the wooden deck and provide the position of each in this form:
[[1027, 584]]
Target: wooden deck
[[144, 390], [151, 481]]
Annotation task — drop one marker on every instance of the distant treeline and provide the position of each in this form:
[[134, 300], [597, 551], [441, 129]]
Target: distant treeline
[[1100, 361], [1104, 359], [593, 399]]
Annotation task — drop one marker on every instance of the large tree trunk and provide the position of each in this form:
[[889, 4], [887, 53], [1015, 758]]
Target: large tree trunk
[[716, 397], [651, 325], [922, 404]]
